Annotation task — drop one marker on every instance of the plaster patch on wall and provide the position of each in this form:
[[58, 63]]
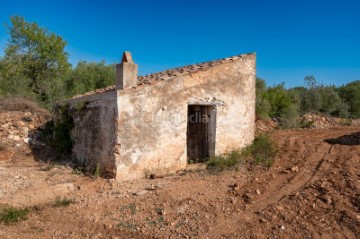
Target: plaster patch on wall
[[135, 155]]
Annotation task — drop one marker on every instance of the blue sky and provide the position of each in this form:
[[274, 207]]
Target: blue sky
[[292, 39]]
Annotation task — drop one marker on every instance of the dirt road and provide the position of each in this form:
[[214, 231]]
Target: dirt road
[[311, 191]]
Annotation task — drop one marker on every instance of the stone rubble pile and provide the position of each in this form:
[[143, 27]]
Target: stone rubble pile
[[318, 121], [18, 127]]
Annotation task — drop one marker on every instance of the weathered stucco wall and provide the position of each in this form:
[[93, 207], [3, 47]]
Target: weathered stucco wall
[[142, 130], [152, 119], [93, 134]]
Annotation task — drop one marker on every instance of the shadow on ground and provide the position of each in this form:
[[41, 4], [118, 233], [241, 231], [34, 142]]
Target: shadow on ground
[[349, 139]]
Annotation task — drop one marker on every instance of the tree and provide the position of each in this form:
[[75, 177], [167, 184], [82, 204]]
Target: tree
[[331, 102], [350, 93], [311, 98], [282, 106], [35, 58], [279, 100], [263, 106], [297, 95], [89, 76]]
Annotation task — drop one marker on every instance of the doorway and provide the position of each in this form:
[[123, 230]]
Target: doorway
[[201, 132]]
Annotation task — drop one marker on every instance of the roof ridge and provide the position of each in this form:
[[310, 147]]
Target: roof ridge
[[169, 73]]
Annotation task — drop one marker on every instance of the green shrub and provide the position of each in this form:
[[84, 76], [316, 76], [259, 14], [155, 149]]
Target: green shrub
[[289, 117], [62, 129], [222, 162], [346, 122], [350, 94], [263, 106], [262, 152], [10, 215], [62, 202], [58, 134], [279, 100]]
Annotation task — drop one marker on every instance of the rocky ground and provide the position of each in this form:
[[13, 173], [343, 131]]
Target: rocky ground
[[311, 191]]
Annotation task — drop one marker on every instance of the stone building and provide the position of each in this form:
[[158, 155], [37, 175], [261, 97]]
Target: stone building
[[155, 124]]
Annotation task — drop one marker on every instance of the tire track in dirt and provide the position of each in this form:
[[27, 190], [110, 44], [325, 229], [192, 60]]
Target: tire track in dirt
[[304, 177]]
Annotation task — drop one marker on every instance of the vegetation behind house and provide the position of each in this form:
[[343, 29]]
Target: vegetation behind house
[[35, 66]]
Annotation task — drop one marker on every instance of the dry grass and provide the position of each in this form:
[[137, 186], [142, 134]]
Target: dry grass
[[19, 104]]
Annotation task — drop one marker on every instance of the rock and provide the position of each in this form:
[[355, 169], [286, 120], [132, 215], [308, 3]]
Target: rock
[[294, 169], [282, 227], [25, 130], [279, 208], [258, 192], [31, 126], [5, 126], [10, 136], [21, 123], [326, 199], [142, 192], [17, 138], [27, 140]]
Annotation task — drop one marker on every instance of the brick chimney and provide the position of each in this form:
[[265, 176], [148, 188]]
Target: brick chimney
[[126, 72]]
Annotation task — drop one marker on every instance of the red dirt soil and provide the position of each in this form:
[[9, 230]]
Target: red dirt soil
[[311, 191]]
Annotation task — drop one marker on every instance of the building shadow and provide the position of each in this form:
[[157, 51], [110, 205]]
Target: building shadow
[[40, 145], [348, 139]]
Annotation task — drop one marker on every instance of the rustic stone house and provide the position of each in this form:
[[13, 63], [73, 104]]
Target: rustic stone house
[[154, 124]]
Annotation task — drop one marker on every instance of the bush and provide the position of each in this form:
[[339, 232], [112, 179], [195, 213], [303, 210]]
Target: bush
[[289, 117], [263, 106], [279, 100], [62, 202], [62, 142], [262, 152], [350, 93], [20, 104], [226, 161], [331, 102], [10, 215]]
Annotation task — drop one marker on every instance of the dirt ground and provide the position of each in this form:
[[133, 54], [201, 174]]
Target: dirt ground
[[311, 191]]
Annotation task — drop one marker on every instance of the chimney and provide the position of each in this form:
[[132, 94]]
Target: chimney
[[126, 72]]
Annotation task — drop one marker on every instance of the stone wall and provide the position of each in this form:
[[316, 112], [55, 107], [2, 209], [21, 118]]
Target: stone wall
[[93, 134], [152, 119]]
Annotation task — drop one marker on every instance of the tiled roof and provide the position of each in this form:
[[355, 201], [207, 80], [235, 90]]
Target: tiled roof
[[168, 74]]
